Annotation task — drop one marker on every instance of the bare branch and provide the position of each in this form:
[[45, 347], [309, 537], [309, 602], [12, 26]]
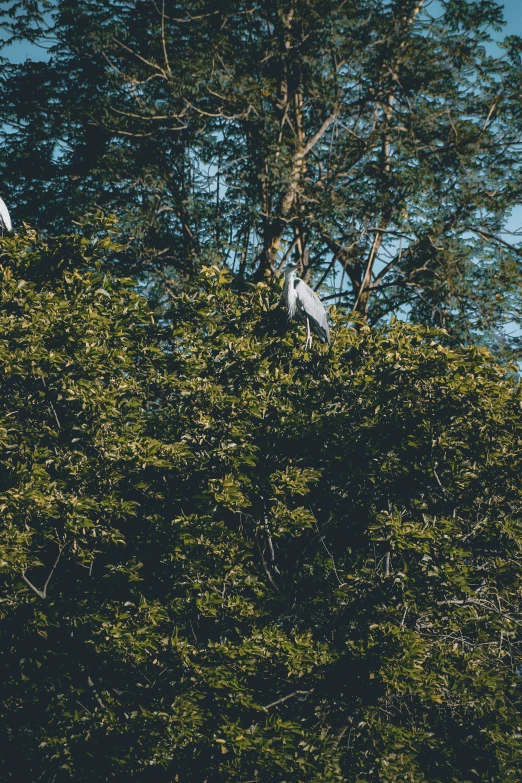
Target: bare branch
[[488, 236], [39, 593], [365, 282], [43, 593], [150, 63], [266, 569], [317, 136], [95, 693], [285, 698], [163, 41]]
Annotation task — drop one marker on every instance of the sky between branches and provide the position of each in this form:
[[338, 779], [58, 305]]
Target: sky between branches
[[21, 51]]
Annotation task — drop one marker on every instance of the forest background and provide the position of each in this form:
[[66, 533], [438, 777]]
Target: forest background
[[224, 557]]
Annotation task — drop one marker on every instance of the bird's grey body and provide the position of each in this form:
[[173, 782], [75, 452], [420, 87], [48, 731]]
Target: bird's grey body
[[303, 303], [5, 220]]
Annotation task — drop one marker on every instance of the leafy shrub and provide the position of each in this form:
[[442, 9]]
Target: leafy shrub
[[225, 559]]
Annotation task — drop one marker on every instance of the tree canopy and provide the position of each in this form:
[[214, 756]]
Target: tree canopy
[[227, 560], [224, 557], [381, 137]]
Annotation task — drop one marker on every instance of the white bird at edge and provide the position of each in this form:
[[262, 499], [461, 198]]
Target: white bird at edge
[[5, 220], [303, 303]]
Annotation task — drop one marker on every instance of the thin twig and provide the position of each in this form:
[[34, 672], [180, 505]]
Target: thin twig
[[266, 569], [285, 698], [95, 693], [43, 593], [321, 539]]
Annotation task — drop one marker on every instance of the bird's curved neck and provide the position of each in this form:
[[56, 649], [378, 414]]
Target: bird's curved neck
[[290, 293]]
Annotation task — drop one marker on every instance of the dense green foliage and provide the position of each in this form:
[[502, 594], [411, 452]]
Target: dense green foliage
[[226, 560], [382, 137]]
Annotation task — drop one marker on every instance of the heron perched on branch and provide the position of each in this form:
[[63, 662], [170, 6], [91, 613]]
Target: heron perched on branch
[[5, 220], [303, 303]]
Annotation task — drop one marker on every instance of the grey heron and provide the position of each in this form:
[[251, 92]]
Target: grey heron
[[5, 220], [303, 303]]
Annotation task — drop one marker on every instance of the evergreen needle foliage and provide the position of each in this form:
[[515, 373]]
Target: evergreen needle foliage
[[227, 560]]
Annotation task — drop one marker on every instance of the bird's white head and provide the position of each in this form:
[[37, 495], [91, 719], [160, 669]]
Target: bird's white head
[[291, 268]]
